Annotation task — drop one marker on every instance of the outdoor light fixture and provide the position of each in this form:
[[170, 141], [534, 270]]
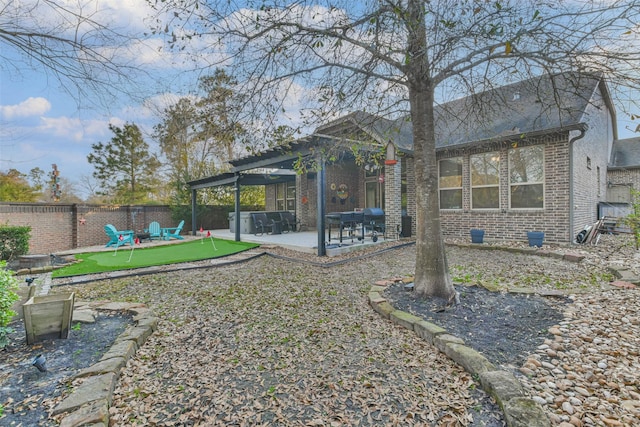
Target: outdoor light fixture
[[40, 362]]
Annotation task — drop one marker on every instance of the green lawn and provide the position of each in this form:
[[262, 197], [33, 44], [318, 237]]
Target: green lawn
[[126, 258]]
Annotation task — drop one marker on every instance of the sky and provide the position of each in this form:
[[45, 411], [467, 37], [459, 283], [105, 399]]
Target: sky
[[44, 122]]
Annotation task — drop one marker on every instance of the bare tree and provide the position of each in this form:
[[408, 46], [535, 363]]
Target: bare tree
[[394, 56], [74, 43]]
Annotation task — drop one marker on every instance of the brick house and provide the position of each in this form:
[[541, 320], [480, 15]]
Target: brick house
[[528, 156]]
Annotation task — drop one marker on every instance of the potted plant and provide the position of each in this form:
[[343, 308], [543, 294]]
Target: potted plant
[[477, 236], [535, 238]]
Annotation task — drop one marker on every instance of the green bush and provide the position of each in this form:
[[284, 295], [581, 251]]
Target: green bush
[[14, 241], [8, 284]]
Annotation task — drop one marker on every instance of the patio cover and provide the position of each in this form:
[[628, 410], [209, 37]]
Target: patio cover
[[278, 166]]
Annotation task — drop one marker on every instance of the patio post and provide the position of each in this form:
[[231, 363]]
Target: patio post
[[237, 208], [322, 250], [194, 205]]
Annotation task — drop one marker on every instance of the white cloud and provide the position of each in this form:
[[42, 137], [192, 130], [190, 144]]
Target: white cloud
[[73, 129], [27, 108]]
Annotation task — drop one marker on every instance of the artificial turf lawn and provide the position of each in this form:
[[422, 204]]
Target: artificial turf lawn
[[124, 258]]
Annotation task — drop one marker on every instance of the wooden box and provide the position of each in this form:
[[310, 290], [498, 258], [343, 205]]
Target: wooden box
[[48, 316], [24, 294]]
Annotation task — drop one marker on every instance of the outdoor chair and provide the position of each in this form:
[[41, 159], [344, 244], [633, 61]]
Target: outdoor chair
[[168, 233], [262, 223], [118, 237], [153, 231], [289, 222]]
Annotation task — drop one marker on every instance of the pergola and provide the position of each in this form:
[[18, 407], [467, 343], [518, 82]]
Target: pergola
[[277, 165]]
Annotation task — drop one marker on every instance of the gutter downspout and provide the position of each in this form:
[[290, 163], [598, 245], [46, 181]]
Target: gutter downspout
[[583, 131]]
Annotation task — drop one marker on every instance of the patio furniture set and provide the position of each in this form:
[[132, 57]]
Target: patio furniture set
[[154, 231]]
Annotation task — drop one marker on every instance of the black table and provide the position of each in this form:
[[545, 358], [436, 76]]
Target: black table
[[346, 221]]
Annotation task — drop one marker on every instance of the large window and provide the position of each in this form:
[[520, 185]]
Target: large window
[[450, 183], [485, 180], [286, 196], [526, 177]]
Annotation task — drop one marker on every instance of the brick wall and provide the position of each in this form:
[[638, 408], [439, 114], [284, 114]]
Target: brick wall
[[507, 224], [59, 227]]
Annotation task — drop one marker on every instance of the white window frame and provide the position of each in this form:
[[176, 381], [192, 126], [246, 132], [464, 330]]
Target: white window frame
[[442, 188], [495, 157], [528, 182]]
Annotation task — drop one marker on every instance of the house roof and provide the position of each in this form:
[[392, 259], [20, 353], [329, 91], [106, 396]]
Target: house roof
[[548, 103], [626, 153]]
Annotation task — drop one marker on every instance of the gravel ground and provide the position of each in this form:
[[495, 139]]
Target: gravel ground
[[273, 341]]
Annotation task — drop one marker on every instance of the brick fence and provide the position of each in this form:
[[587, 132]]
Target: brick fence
[[59, 227]]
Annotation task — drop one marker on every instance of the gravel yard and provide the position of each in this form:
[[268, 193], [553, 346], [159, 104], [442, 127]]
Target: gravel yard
[[279, 342]]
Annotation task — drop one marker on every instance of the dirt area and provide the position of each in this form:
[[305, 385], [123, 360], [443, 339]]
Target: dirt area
[[26, 394], [505, 327]]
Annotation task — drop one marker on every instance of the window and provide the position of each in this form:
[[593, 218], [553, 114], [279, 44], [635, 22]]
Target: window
[[374, 187], [485, 180], [450, 183], [286, 196], [526, 177]]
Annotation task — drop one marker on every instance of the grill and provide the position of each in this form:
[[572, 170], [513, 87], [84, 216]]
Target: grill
[[373, 219], [346, 221]]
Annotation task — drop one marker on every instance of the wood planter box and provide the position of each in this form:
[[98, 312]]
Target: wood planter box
[[48, 316], [24, 294]]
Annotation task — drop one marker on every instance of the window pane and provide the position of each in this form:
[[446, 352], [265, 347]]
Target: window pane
[[527, 196], [485, 169], [451, 172], [291, 190], [280, 191], [485, 198], [526, 165], [291, 205], [450, 199]]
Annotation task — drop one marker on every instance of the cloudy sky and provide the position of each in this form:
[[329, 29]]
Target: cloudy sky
[[43, 122]]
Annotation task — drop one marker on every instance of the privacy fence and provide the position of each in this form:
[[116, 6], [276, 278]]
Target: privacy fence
[[59, 227]]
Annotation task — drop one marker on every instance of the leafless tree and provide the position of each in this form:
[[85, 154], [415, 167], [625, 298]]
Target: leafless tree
[[397, 56], [72, 43]]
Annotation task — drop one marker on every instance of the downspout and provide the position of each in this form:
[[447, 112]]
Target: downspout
[[583, 131]]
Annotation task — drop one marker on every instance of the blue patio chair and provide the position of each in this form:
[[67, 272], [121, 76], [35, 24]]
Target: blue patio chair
[[168, 233], [118, 237], [154, 230]]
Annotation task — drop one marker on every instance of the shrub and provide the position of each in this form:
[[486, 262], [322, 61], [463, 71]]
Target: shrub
[[633, 219], [8, 284], [14, 241]]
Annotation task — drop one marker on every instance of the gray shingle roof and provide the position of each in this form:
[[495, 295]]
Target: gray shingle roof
[[545, 103], [626, 153]]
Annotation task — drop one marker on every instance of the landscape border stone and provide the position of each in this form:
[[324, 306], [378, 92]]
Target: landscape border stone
[[502, 385], [89, 402]]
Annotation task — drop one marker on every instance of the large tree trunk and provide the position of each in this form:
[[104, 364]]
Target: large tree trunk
[[432, 277]]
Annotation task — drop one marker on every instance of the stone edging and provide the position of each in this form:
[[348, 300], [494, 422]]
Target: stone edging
[[89, 402], [503, 386]]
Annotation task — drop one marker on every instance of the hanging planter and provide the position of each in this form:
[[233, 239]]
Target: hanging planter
[[535, 238], [48, 316]]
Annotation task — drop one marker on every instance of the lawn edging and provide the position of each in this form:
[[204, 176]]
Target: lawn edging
[[503, 386], [89, 402]]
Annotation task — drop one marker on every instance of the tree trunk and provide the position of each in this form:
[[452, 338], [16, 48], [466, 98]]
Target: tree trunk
[[432, 277]]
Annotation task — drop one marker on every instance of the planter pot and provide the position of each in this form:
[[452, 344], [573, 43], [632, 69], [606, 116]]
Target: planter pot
[[535, 238], [477, 236], [48, 316]]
